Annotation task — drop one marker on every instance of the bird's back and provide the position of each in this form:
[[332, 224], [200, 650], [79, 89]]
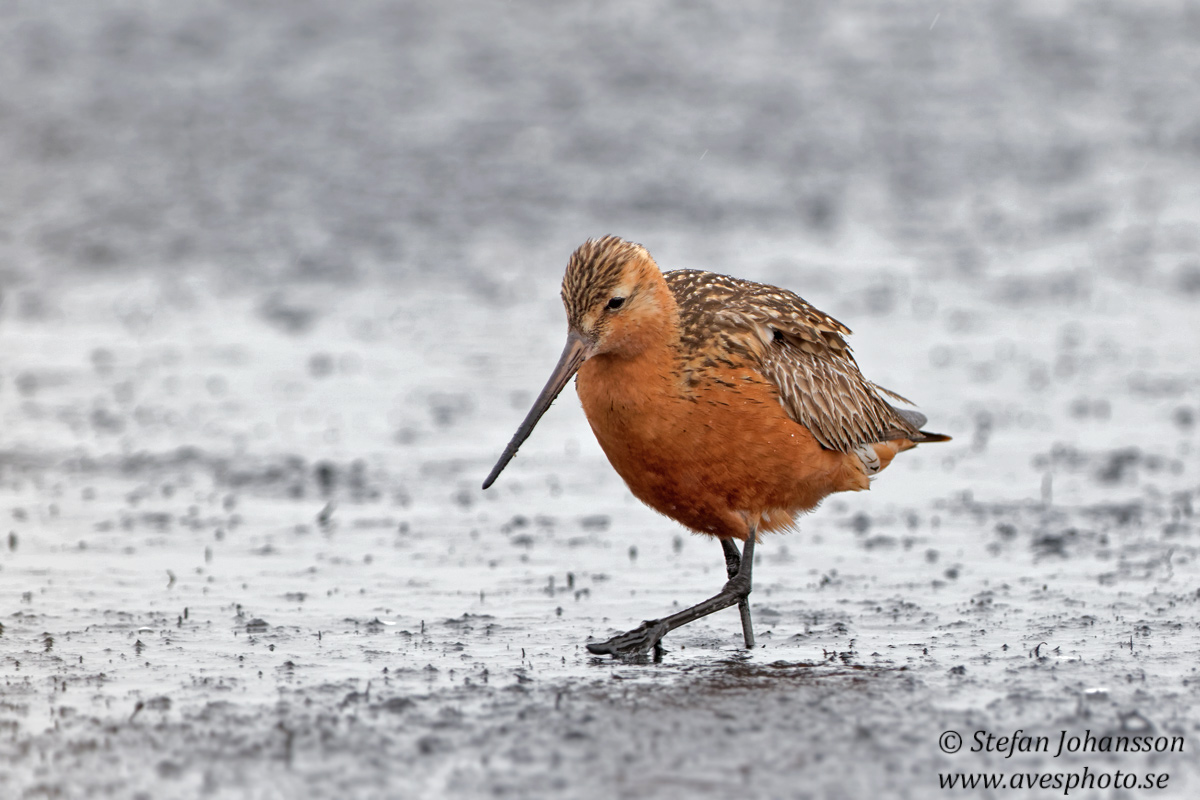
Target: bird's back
[[799, 349]]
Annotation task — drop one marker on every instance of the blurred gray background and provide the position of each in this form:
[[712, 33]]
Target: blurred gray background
[[329, 142]]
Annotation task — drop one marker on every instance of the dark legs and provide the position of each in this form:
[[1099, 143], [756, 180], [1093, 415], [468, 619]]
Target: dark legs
[[733, 562], [641, 639]]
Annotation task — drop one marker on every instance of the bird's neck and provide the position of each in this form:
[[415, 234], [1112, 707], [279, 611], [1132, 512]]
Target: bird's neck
[[642, 368]]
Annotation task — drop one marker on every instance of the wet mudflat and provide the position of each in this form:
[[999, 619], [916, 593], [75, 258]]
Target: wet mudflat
[[227, 613], [244, 551]]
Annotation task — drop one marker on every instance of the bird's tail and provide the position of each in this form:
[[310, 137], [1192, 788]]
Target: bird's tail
[[917, 419]]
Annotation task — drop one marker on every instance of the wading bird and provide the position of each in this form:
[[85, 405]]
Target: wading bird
[[729, 406]]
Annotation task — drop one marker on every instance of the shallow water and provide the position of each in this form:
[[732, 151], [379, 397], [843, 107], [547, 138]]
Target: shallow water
[[250, 605]]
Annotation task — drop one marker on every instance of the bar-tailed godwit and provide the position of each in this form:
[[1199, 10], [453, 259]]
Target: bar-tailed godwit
[[729, 406]]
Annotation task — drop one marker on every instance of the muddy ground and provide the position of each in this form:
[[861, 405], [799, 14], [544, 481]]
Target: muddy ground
[[279, 280]]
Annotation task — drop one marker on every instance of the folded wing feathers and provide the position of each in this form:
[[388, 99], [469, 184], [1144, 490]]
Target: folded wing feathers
[[832, 399], [809, 362], [816, 374]]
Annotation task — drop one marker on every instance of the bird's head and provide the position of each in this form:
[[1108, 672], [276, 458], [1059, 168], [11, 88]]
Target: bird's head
[[614, 296], [617, 304]]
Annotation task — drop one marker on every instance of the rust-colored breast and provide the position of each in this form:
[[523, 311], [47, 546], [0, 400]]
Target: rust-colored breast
[[701, 437]]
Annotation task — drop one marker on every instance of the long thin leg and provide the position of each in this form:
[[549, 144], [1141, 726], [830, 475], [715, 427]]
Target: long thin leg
[[641, 639], [732, 564]]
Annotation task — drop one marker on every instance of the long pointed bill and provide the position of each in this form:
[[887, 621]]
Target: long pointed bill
[[573, 355]]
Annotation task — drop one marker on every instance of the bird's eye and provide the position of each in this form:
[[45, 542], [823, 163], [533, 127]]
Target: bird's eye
[[615, 303]]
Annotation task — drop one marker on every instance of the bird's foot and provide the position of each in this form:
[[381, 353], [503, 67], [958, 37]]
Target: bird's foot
[[632, 644]]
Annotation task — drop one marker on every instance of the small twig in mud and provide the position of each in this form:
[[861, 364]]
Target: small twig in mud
[[1037, 651]]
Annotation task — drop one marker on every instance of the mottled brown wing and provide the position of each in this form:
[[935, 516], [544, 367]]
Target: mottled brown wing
[[797, 348]]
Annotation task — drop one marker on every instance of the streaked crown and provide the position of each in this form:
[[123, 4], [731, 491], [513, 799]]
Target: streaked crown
[[595, 270]]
